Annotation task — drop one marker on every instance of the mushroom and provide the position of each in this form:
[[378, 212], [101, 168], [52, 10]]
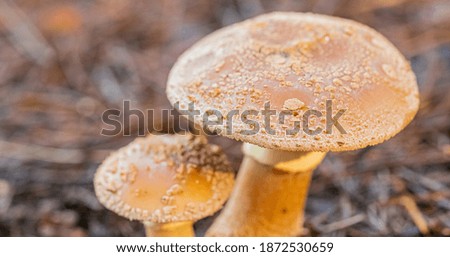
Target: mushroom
[[167, 182], [324, 83]]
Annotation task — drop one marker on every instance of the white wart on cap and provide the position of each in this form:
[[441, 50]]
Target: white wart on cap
[[297, 62], [165, 178]]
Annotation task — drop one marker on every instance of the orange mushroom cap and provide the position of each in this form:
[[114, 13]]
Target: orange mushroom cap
[[298, 61], [165, 178]]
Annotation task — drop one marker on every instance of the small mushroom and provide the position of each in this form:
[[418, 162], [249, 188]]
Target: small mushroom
[[167, 182], [349, 83]]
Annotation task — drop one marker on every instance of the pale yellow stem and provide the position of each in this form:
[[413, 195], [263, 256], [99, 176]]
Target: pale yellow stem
[[175, 229], [269, 196]]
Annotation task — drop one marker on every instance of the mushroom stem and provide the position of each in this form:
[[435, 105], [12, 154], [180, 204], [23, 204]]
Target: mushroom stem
[[270, 194], [176, 229]]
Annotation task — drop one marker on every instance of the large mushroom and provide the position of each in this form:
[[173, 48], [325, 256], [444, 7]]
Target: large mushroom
[[165, 181], [324, 83]]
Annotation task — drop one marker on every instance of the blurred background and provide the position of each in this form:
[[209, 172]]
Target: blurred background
[[62, 63]]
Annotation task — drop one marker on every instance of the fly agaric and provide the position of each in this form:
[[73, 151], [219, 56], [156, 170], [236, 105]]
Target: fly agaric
[[344, 86], [165, 181]]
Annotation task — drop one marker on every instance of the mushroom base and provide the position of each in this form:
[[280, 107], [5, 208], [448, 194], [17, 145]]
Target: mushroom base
[[176, 229], [267, 200]]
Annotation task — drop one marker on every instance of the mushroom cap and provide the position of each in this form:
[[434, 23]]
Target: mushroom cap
[[165, 178], [296, 62]]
